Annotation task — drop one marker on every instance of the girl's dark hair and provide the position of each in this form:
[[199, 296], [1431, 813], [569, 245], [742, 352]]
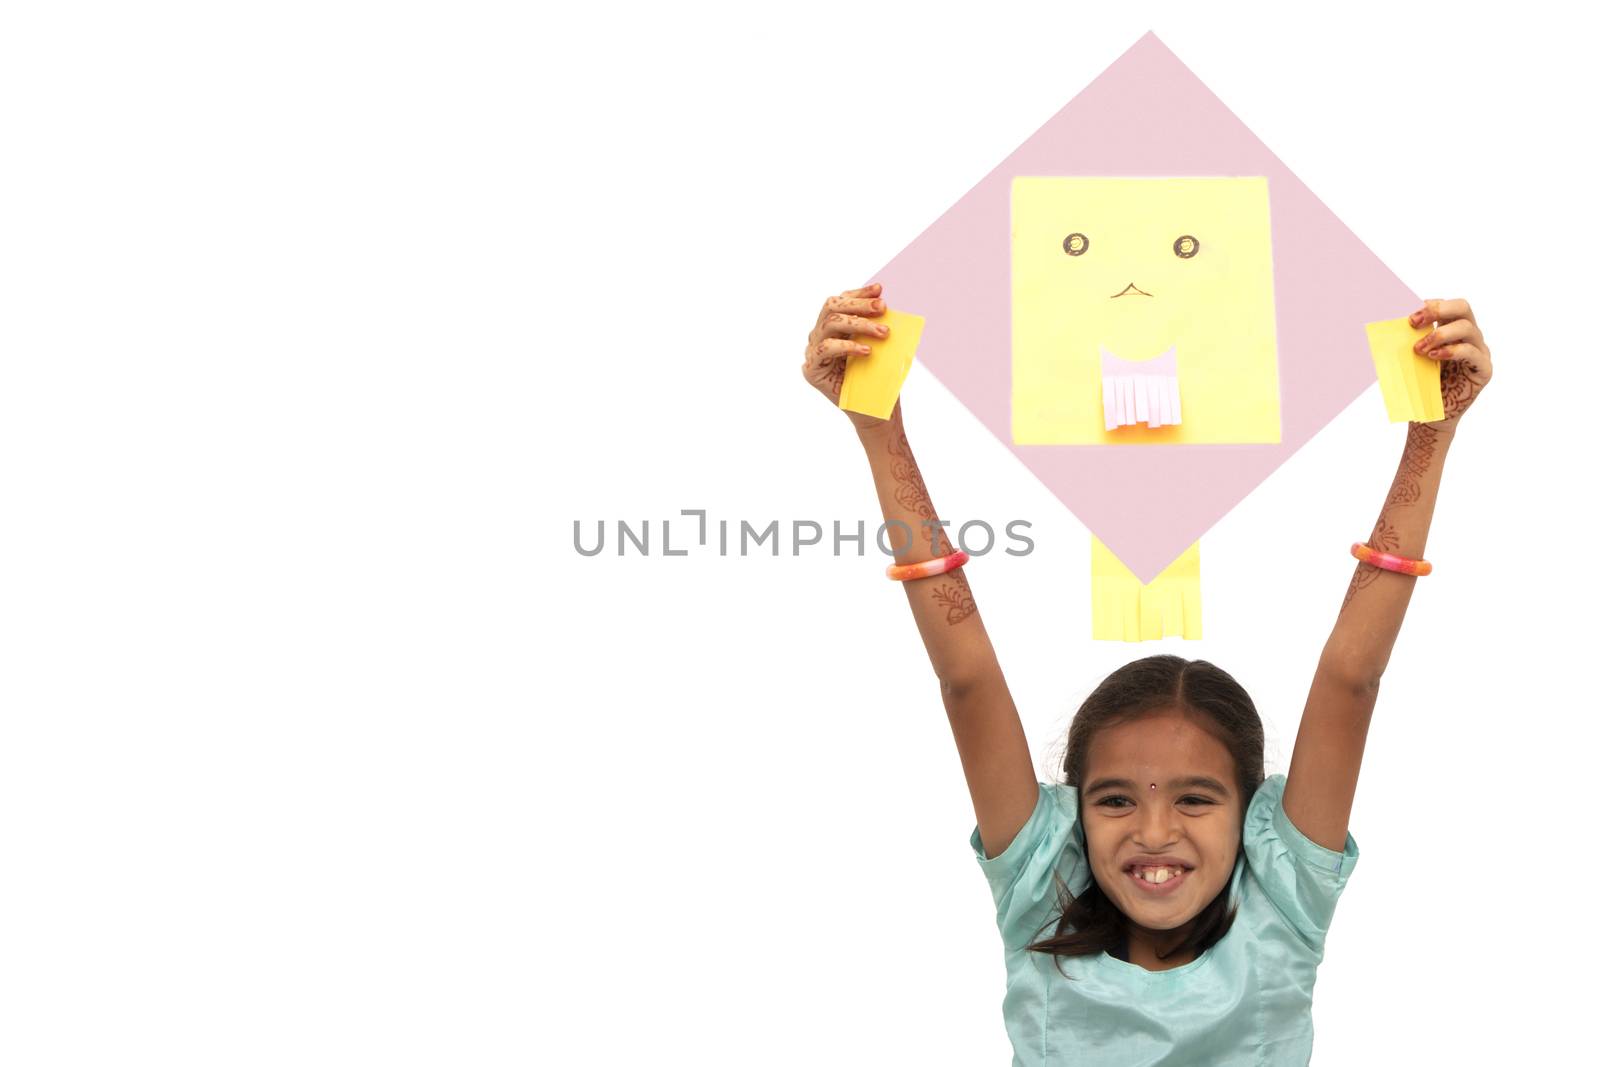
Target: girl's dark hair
[[1090, 923]]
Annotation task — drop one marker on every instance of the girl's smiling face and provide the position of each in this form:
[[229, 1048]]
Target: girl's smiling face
[[1161, 855]]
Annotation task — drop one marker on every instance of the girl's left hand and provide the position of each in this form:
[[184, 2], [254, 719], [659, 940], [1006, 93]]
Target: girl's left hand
[[1457, 343]]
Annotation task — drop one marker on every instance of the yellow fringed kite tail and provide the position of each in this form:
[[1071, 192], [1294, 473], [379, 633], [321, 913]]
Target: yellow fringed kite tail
[[1127, 610]]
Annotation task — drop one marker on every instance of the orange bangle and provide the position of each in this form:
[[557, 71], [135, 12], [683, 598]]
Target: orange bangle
[[1390, 562], [901, 572]]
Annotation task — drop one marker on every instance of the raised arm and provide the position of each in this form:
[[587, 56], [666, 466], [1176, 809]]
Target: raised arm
[[1321, 784], [988, 732], [983, 717]]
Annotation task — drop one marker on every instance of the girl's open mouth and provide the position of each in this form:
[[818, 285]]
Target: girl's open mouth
[[1158, 881]]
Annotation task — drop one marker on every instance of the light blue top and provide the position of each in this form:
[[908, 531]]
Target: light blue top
[[1245, 1000]]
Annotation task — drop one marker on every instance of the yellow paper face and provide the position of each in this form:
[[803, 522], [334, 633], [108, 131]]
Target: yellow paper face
[[1214, 308], [1410, 383]]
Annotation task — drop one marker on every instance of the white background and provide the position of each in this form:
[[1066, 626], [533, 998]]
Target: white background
[[322, 323]]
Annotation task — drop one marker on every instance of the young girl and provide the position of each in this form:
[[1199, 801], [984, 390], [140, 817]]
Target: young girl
[[1168, 903]]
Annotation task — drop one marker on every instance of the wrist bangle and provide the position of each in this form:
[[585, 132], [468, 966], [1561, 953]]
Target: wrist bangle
[[901, 572], [1390, 562]]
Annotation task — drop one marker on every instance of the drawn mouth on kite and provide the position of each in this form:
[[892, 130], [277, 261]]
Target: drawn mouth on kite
[[1133, 288]]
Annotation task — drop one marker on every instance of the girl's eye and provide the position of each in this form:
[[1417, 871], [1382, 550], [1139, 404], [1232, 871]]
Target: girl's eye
[[1185, 247], [1124, 802], [1076, 244]]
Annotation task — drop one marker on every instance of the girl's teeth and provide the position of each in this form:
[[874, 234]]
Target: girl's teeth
[[1158, 874]]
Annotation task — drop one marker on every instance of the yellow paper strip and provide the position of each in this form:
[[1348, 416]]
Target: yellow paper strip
[[872, 382], [1126, 610], [1410, 383]]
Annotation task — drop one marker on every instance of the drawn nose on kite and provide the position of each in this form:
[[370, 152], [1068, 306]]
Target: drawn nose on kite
[[1131, 289]]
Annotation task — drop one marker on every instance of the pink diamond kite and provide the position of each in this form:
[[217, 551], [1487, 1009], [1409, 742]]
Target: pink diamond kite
[[1141, 244]]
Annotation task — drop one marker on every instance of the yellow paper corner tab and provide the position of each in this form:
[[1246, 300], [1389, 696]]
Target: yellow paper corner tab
[[1127, 610], [1410, 383], [872, 382]]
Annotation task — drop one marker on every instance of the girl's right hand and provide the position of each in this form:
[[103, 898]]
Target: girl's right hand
[[842, 319]]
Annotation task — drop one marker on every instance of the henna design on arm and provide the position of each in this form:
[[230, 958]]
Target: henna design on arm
[[953, 593], [911, 492], [1422, 441], [1460, 381], [1384, 539], [957, 596]]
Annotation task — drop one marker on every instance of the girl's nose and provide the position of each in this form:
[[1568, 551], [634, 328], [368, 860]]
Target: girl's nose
[[1156, 826]]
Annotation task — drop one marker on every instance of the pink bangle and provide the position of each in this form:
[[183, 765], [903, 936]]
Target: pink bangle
[[901, 572], [1398, 564]]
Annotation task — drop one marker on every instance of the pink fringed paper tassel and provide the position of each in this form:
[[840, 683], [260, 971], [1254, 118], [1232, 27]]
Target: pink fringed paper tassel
[[1140, 392]]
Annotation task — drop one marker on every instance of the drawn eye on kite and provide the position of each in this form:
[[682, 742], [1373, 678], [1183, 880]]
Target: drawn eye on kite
[[1076, 244], [1185, 247]]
